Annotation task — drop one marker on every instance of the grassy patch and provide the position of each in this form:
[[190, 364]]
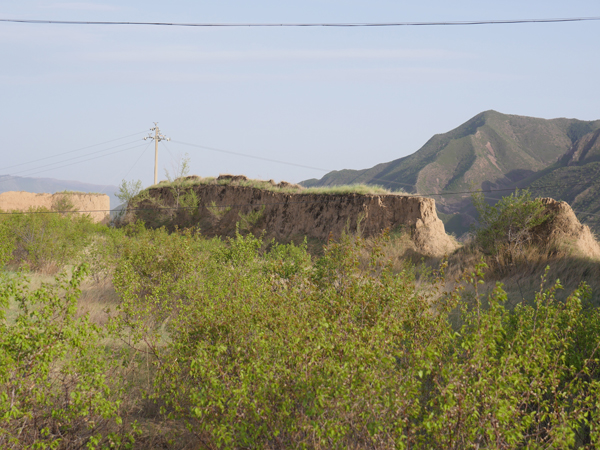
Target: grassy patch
[[283, 187]]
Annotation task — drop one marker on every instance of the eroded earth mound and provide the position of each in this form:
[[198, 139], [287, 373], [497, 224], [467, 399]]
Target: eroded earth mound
[[284, 215], [564, 228]]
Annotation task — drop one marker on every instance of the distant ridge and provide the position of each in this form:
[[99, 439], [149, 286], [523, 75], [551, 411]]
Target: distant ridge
[[574, 178], [490, 151], [51, 185]]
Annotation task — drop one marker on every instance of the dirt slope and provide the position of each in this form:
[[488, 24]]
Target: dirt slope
[[565, 229], [285, 215], [97, 204]]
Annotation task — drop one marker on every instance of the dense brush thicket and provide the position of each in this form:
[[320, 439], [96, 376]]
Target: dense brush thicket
[[252, 344]]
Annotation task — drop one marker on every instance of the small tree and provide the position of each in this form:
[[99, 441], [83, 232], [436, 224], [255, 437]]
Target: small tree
[[128, 190], [505, 229]]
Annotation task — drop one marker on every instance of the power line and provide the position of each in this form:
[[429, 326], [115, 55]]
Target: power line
[[72, 151], [239, 205], [131, 168], [251, 156], [589, 214], [137, 160], [165, 146], [430, 194], [309, 25], [441, 194], [71, 159], [78, 162]]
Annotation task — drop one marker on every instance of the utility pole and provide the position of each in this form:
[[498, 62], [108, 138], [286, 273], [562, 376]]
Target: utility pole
[[157, 138]]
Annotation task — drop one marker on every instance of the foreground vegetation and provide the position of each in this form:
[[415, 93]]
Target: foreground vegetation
[[250, 344]]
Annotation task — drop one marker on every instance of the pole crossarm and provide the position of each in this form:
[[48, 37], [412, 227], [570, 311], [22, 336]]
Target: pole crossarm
[[157, 138]]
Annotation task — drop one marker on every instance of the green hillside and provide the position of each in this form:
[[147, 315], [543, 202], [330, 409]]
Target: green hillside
[[574, 179], [558, 158], [490, 151]]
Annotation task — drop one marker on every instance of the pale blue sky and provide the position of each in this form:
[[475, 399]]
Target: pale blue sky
[[324, 97]]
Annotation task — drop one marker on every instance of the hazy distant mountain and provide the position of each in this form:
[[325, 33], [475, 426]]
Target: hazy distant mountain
[[490, 151], [50, 186]]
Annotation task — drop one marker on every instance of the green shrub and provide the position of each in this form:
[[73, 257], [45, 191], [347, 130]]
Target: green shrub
[[54, 392], [47, 241], [337, 354], [505, 229], [257, 345]]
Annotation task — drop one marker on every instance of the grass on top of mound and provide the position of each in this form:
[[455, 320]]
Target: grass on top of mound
[[283, 187]]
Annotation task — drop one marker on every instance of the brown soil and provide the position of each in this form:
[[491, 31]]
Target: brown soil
[[96, 205], [565, 229], [316, 216]]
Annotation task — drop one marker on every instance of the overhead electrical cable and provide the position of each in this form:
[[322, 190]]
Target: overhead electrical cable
[[137, 160], [131, 168], [240, 205], [78, 162], [310, 24], [589, 214], [430, 194], [71, 159], [530, 188], [250, 156], [165, 145], [72, 151]]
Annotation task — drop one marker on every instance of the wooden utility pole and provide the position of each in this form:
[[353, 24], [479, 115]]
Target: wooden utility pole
[[157, 138]]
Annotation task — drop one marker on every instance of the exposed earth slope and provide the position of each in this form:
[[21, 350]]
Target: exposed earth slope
[[216, 208]]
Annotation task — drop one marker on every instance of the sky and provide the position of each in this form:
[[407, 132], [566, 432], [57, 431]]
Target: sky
[[324, 98]]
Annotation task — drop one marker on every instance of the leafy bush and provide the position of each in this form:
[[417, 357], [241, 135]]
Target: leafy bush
[[342, 355], [258, 345], [128, 190], [53, 387], [505, 229], [46, 241]]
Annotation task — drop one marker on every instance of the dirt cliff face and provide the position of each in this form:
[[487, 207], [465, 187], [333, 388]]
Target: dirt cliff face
[[564, 228], [96, 205], [283, 215]]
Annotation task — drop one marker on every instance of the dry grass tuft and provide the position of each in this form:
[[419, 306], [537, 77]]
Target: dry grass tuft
[[97, 300], [566, 260]]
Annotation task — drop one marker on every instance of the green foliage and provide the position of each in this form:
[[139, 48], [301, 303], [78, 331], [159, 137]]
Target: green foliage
[[343, 189], [286, 261], [45, 241], [218, 212], [63, 203], [505, 229], [339, 354], [7, 244], [128, 190], [249, 220], [53, 387], [177, 178], [248, 344]]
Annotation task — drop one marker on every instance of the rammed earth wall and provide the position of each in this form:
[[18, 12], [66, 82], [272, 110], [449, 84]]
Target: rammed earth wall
[[313, 215], [96, 205]]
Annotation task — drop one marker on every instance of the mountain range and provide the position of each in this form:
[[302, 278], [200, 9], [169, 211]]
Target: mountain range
[[495, 152]]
